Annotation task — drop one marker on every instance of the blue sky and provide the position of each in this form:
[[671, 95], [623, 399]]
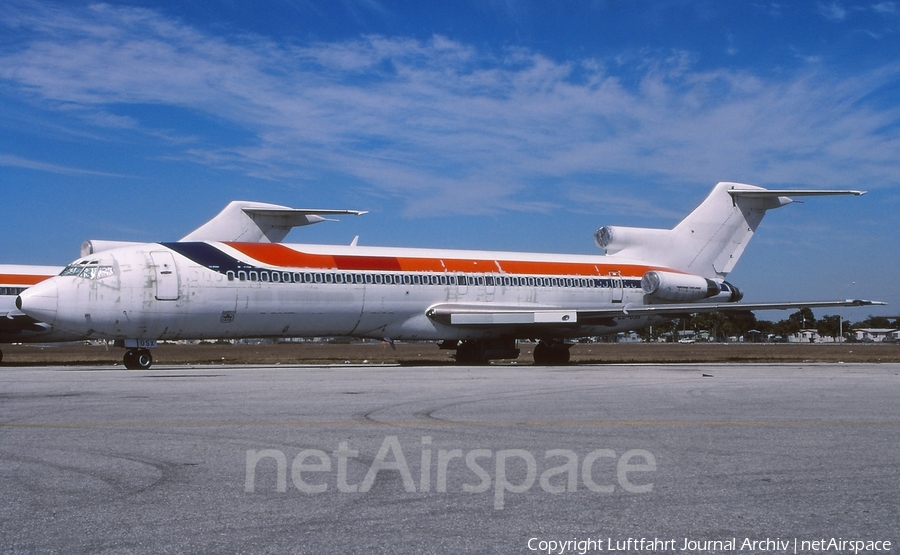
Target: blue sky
[[487, 124]]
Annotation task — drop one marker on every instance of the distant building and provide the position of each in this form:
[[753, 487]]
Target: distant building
[[873, 335], [805, 336], [628, 337]]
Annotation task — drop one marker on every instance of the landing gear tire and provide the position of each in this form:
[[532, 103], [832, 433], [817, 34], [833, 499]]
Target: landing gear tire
[[470, 352], [483, 351], [551, 354], [137, 359]]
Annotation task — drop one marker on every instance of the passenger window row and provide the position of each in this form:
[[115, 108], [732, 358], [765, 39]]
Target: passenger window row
[[11, 290], [425, 279]]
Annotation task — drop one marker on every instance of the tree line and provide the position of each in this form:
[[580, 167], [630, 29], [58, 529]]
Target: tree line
[[724, 325]]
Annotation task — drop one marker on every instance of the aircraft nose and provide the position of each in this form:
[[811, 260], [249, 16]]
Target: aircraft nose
[[40, 301]]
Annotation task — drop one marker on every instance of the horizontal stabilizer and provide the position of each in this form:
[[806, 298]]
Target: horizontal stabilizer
[[762, 193], [257, 222]]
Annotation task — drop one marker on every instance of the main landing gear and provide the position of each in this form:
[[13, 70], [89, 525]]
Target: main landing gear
[[481, 351], [551, 353], [137, 359]]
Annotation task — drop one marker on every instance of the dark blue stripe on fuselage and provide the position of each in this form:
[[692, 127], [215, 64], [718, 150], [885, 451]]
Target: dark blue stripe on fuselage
[[209, 256]]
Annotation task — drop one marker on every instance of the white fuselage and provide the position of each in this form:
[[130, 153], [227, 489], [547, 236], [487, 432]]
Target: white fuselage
[[197, 290]]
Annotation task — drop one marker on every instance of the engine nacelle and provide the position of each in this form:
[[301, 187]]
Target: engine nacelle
[[614, 238], [669, 286], [94, 246]]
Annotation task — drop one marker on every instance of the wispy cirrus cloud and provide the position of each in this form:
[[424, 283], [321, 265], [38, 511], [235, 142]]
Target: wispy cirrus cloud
[[12, 161], [444, 126], [833, 11]]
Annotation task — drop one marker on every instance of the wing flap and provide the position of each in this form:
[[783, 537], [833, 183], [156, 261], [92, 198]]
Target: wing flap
[[487, 315]]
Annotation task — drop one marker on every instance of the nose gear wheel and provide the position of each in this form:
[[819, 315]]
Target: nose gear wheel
[[137, 359]]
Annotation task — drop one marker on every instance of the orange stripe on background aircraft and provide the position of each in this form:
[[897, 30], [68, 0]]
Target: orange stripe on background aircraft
[[14, 325], [477, 302]]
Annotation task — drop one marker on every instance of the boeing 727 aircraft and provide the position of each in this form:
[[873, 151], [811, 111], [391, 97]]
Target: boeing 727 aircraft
[[478, 302]]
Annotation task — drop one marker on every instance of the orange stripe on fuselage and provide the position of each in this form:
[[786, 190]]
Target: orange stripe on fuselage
[[279, 255], [21, 279]]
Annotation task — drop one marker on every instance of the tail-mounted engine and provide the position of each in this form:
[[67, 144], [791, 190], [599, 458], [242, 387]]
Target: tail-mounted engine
[[669, 286], [613, 239]]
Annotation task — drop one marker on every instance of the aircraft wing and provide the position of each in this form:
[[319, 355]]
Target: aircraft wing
[[488, 314], [696, 308]]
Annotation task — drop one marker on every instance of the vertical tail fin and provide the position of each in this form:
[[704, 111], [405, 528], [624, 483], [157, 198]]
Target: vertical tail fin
[[711, 239]]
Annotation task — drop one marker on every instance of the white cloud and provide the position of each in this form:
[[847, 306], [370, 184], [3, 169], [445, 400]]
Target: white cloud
[[13, 161], [447, 128], [833, 11]]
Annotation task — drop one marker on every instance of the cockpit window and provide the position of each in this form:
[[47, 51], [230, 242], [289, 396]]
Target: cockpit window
[[88, 271]]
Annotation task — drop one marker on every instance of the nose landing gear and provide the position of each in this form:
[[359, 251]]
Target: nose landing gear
[[137, 359]]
